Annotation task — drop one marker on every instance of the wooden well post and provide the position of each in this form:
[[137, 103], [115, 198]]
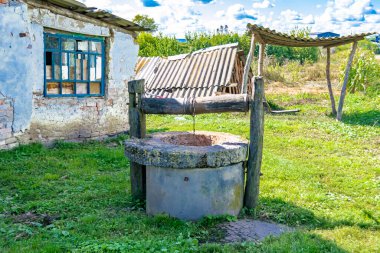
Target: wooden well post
[[137, 123], [251, 194]]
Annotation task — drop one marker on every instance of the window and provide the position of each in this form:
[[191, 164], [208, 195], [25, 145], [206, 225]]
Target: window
[[74, 66]]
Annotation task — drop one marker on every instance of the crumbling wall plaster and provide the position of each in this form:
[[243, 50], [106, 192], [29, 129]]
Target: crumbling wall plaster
[[48, 119], [17, 57], [91, 117], [55, 21]]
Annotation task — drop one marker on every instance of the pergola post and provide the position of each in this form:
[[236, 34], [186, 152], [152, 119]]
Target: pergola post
[[328, 78], [137, 129], [261, 59], [345, 81], [247, 66], [251, 194]]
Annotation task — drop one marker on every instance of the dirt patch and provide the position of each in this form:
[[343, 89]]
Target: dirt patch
[[32, 218], [251, 230], [308, 87], [189, 139]]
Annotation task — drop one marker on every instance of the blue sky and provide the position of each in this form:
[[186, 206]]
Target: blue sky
[[176, 17]]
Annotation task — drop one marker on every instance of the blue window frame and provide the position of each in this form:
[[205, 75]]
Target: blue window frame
[[74, 66]]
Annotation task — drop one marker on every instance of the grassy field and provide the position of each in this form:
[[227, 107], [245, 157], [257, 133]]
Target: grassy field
[[319, 175]]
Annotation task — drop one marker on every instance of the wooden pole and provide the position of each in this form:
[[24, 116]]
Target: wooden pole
[[137, 123], [261, 59], [260, 71], [332, 99], [247, 66], [255, 146], [199, 105], [346, 76]]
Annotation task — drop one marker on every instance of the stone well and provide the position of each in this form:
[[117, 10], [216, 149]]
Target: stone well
[[189, 175]]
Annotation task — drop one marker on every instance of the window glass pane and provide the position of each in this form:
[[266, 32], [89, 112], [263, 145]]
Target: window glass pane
[[48, 69], [81, 88], [99, 68], [95, 88], [82, 67], [57, 65], [67, 88], [82, 45], [52, 88], [68, 44], [51, 42], [96, 47], [65, 66], [92, 68], [71, 66]]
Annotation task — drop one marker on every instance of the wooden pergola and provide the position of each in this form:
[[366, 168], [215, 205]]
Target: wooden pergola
[[266, 36]]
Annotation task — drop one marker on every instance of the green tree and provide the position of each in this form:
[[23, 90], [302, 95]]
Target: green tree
[[146, 22]]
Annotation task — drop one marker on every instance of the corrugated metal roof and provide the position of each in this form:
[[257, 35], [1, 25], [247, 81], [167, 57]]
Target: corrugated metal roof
[[267, 36], [198, 74], [98, 14]]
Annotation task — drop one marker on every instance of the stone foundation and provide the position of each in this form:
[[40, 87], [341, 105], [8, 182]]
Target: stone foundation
[[7, 139]]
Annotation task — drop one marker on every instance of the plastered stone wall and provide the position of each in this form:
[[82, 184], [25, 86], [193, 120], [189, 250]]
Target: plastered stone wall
[[37, 118]]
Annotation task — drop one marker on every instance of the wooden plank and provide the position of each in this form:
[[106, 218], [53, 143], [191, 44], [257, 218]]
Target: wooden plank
[[328, 78], [346, 76], [247, 66], [137, 123], [199, 105], [255, 146], [284, 111]]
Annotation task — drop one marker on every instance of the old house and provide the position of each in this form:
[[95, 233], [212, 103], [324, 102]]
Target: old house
[[64, 71]]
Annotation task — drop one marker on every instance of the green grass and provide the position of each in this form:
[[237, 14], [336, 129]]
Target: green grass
[[319, 175]]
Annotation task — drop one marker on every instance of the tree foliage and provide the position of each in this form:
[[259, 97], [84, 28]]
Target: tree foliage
[[146, 22], [161, 45]]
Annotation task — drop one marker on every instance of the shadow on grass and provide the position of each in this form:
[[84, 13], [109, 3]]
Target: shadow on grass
[[274, 106], [288, 213], [298, 241], [368, 118], [157, 130]]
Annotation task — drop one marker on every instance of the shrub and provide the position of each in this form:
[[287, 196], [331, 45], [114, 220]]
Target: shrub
[[365, 72]]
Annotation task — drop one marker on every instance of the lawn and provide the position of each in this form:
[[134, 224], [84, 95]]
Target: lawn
[[320, 176]]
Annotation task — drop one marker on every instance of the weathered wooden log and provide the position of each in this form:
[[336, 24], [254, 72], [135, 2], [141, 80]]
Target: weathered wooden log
[[251, 194], [344, 86], [247, 66], [328, 78], [192, 106], [137, 124]]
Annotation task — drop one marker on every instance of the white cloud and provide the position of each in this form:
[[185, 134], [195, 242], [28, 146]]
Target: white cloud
[[263, 5], [178, 17], [348, 16]]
